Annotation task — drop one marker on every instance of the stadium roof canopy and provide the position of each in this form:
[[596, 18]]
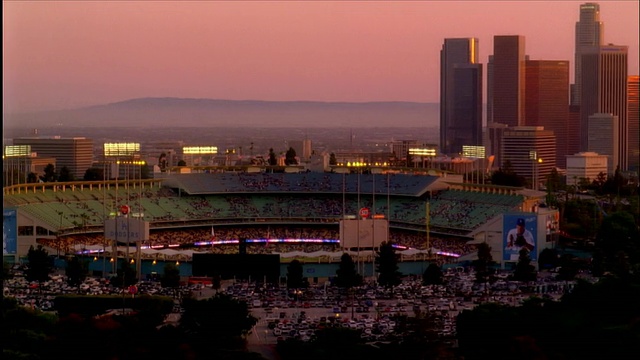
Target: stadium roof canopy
[[330, 183]]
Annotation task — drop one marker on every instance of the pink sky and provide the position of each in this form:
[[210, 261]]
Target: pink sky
[[68, 54]]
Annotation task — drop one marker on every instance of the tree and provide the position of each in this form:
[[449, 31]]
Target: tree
[[599, 182], [144, 171], [26, 332], [125, 274], [32, 178], [295, 278], [568, 268], [482, 265], [272, 158], [49, 173], [524, 270], [66, 174], [618, 240], [332, 159], [40, 264], [6, 274], [163, 162], [93, 174], [346, 275], [290, 157], [554, 184], [387, 265], [548, 259], [507, 177], [220, 321], [432, 275], [76, 271], [171, 276]]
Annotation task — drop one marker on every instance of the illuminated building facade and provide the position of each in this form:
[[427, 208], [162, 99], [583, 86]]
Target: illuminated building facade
[[531, 150], [633, 120], [547, 100]]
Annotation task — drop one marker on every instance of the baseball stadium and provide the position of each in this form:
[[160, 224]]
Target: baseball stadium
[[304, 216]]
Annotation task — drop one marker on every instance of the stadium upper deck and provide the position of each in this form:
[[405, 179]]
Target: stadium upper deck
[[394, 184]]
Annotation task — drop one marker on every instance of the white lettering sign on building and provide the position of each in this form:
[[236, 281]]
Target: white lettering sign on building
[[125, 229]]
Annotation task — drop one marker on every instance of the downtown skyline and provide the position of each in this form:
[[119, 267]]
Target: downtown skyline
[[60, 55]]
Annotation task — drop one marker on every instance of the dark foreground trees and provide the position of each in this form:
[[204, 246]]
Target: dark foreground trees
[[125, 275], [295, 276], [594, 321], [76, 271], [212, 329], [346, 275], [40, 264], [387, 264], [220, 322], [432, 275]]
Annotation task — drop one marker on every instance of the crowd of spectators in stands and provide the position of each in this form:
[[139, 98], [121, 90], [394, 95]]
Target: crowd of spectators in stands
[[204, 239], [449, 209]]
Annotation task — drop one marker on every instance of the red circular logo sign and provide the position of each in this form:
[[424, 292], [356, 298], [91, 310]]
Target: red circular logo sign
[[124, 209], [133, 289], [364, 212]]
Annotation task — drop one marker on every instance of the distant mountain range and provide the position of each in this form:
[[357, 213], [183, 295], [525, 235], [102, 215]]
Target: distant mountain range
[[178, 112]]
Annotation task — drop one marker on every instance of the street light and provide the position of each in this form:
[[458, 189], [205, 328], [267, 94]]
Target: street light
[[538, 172], [533, 155]]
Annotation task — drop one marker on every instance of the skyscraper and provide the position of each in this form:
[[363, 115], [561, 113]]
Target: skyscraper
[[490, 91], [633, 114], [604, 90], [508, 83], [589, 33], [460, 95], [547, 101]]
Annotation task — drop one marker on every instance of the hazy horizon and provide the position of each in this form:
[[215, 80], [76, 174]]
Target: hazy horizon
[[184, 112], [67, 55]]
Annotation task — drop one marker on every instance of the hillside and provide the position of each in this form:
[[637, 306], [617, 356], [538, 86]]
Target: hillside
[[178, 112]]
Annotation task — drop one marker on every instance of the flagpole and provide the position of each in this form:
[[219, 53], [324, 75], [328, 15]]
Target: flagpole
[[359, 219], [428, 233]]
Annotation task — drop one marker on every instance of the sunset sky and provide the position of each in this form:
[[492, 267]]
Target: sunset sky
[[59, 55]]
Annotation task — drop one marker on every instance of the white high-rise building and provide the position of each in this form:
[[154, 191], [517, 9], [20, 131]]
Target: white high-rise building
[[585, 165]]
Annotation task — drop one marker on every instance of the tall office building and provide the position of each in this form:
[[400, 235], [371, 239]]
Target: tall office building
[[490, 91], [604, 90], [460, 95], [508, 80], [633, 119], [573, 130], [531, 150], [547, 100], [75, 153], [602, 131], [493, 143], [589, 33]]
